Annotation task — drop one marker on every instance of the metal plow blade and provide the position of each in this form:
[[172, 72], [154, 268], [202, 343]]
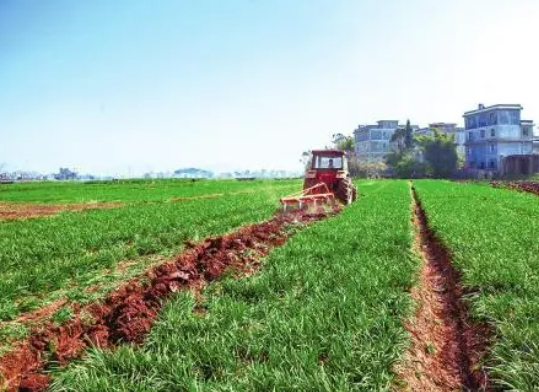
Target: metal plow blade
[[315, 199]]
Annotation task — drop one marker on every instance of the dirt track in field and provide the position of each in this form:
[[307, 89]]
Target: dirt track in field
[[520, 186], [127, 314], [446, 347], [30, 210]]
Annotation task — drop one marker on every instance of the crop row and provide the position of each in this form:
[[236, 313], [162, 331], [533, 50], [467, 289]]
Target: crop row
[[134, 191], [46, 257], [492, 234], [324, 313]]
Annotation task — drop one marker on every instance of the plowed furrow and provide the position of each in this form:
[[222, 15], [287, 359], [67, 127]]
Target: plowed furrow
[[446, 347], [127, 313]]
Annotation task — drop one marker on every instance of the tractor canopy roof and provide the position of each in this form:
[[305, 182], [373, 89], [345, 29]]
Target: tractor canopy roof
[[328, 153]]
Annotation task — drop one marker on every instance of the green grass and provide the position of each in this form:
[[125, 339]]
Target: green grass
[[43, 258], [134, 190], [324, 314], [493, 235]]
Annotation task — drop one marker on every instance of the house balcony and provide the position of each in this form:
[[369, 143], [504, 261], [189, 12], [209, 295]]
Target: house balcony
[[498, 139]]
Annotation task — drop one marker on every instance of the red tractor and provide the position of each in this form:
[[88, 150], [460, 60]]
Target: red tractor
[[326, 178]]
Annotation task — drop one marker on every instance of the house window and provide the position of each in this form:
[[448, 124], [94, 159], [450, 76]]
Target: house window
[[472, 122], [492, 132], [492, 164], [504, 117], [483, 120], [482, 165], [492, 147], [470, 136], [515, 117], [493, 119], [482, 134], [525, 132]]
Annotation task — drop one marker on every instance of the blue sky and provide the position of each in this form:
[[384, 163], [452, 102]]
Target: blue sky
[[118, 86]]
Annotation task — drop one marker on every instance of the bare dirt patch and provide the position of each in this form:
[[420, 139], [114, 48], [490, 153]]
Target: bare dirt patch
[[127, 314], [446, 346], [27, 210], [36, 315]]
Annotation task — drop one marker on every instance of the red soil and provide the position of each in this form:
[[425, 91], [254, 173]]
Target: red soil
[[446, 346], [26, 210], [36, 315], [127, 314], [521, 186]]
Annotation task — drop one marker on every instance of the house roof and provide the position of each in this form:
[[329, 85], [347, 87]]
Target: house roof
[[328, 152], [492, 107]]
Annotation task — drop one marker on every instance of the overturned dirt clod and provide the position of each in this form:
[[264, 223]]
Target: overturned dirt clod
[[127, 314], [446, 346]]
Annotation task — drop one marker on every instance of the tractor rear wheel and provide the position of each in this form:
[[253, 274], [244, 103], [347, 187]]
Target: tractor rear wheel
[[345, 191]]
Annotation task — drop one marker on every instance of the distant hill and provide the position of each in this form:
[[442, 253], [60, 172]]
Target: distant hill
[[193, 172]]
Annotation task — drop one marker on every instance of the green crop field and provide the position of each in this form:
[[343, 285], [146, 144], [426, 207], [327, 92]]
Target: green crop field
[[134, 190], [324, 314], [492, 234], [50, 258], [326, 311]]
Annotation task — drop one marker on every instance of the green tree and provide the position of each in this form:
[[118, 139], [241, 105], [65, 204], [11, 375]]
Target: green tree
[[440, 153], [363, 169], [398, 140], [402, 139], [402, 159], [306, 159], [344, 143], [408, 135], [406, 165]]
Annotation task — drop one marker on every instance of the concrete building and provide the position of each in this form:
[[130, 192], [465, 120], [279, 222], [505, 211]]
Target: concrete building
[[373, 142], [498, 140]]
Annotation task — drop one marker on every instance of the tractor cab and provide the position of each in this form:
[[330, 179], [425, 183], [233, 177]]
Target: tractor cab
[[327, 166], [327, 161]]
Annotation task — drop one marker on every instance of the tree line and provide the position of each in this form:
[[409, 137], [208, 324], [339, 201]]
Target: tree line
[[411, 155]]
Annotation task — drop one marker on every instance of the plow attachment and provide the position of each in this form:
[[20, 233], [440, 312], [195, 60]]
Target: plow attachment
[[317, 197]]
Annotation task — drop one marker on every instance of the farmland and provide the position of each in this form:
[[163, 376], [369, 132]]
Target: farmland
[[133, 190], [275, 302], [44, 260], [492, 234], [323, 314]]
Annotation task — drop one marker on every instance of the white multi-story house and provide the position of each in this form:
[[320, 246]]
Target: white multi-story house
[[373, 142], [498, 140]]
